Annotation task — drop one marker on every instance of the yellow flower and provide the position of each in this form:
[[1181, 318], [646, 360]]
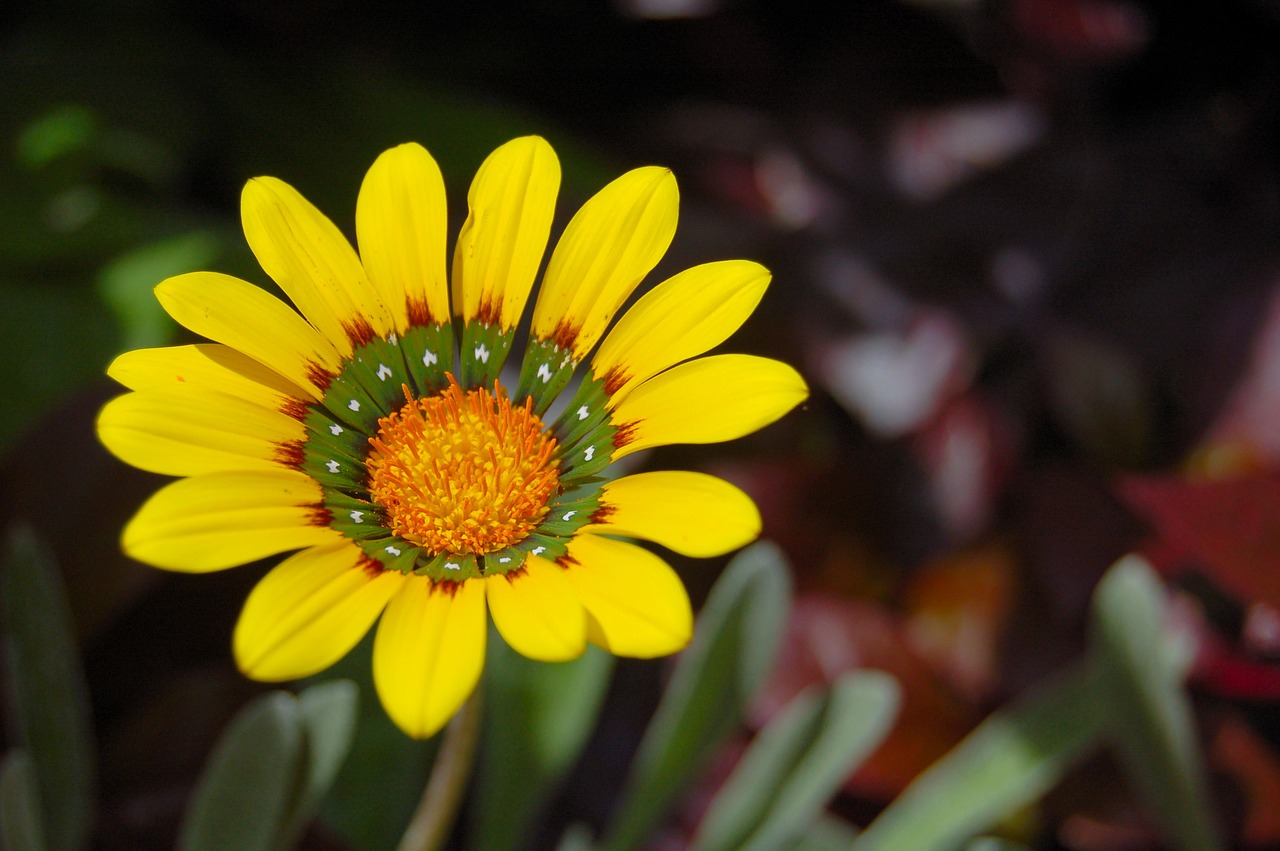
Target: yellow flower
[[371, 433]]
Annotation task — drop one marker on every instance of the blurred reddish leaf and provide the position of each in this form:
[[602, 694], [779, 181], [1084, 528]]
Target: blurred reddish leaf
[[827, 636], [1231, 527], [1239, 751], [967, 451], [957, 609], [1247, 424], [1083, 30]]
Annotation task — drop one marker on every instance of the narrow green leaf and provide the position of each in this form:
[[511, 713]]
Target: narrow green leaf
[[1148, 716], [1011, 759], [537, 719], [576, 838], [328, 715], [826, 833], [126, 284], [994, 843], [242, 800], [798, 762], [736, 640], [19, 804], [49, 695]]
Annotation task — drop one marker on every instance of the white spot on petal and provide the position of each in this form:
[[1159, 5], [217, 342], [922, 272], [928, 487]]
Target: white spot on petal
[[429, 359], [353, 405], [384, 372], [504, 560], [395, 551], [357, 517], [448, 565], [538, 550], [332, 465], [584, 412], [482, 354], [568, 514], [589, 454], [544, 372], [335, 429], [392, 338]]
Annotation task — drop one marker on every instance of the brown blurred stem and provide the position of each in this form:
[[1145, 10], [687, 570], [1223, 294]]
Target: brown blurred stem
[[433, 819]]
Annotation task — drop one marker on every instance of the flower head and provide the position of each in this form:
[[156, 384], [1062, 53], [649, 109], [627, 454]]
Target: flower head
[[370, 430]]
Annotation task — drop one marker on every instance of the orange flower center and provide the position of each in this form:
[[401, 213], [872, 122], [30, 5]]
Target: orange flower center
[[463, 472]]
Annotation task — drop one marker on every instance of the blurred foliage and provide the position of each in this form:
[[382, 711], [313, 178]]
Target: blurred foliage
[[1024, 251]]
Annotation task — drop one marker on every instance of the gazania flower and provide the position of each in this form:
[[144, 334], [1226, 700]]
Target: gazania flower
[[373, 432]]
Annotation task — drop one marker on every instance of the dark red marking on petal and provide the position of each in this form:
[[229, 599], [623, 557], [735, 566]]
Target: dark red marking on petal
[[446, 586], [490, 311], [358, 331], [625, 434], [513, 575], [319, 515], [567, 561], [291, 454], [564, 334], [614, 379], [371, 566], [602, 514], [419, 312], [319, 376], [295, 408]]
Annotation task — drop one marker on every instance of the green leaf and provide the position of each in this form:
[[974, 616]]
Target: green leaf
[[19, 804], [736, 639], [826, 833], [127, 284], [537, 718], [49, 695], [797, 762], [994, 843], [328, 715], [374, 795], [576, 838], [1148, 715], [1010, 760], [242, 800]]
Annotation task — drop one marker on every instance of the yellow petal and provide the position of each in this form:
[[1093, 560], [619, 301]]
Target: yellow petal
[[428, 652], [223, 519], [690, 513], [187, 431], [253, 321], [680, 318], [537, 611], [512, 202], [617, 237], [207, 365], [312, 262], [637, 603], [400, 226], [309, 611], [708, 400]]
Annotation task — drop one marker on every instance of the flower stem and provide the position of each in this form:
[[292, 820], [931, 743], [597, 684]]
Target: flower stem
[[433, 819]]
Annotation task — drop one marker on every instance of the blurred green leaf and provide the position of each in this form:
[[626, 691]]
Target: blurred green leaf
[[797, 762], [375, 793], [49, 695], [576, 838], [1100, 398], [537, 718], [127, 284], [1148, 715], [19, 804], [734, 645], [826, 833], [994, 843], [243, 797], [328, 714], [1011, 759], [60, 131]]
